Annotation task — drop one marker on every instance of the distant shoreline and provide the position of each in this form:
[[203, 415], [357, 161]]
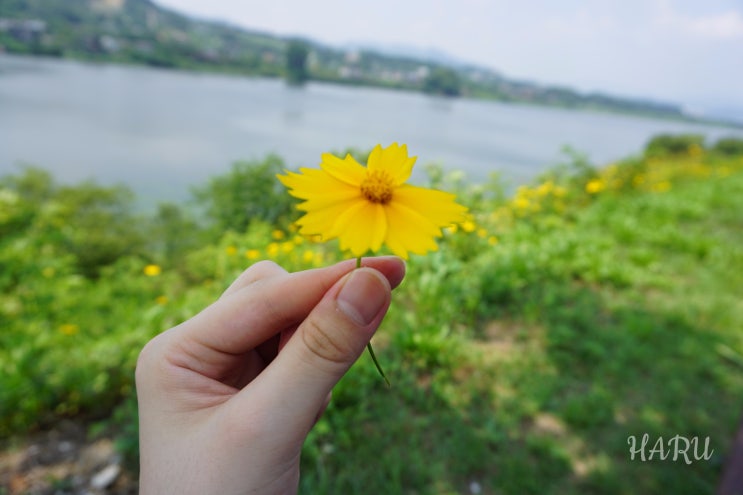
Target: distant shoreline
[[228, 71]]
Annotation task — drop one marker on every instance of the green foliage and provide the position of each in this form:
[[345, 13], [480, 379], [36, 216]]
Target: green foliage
[[550, 326], [729, 146], [674, 145], [296, 62], [92, 223], [249, 192], [442, 81]]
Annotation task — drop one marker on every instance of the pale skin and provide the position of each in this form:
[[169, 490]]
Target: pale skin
[[227, 398]]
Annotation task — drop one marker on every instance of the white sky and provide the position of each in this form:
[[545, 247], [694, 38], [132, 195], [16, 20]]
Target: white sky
[[684, 51]]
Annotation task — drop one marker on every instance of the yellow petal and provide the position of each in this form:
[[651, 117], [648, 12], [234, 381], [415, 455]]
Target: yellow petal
[[346, 170], [362, 228], [436, 206], [311, 182], [393, 160], [407, 231], [323, 221], [330, 199]]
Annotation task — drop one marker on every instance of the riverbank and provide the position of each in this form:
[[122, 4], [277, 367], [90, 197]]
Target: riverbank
[[590, 306]]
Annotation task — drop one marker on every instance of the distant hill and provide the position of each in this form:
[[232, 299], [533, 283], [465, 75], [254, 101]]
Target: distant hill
[[140, 31]]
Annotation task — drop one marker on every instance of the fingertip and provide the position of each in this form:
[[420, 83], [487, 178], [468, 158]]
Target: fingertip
[[392, 267], [363, 295]]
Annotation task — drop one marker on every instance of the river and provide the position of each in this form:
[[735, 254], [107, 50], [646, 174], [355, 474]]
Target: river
[[161, 131]]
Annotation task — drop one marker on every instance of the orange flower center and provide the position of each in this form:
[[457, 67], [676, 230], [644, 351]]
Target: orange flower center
[[378, 186]]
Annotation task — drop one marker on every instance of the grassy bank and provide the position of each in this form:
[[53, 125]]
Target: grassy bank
[[592, 305]]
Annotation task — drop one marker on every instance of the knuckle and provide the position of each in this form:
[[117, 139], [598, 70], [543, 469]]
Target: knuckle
[[326, 344]]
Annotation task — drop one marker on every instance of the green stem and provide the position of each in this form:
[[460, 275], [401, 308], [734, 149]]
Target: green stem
[[369, 346], [376, 363]]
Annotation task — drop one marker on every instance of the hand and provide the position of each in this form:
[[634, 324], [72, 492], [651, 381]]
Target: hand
[[226, 399]]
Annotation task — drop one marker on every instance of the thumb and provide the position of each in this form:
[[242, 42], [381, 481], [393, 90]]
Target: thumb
[[325, 345]]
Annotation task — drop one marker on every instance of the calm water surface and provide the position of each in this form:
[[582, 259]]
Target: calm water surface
[[162, 131]]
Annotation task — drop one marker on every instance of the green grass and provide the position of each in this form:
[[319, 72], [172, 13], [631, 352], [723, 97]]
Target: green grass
[[522, 355], [621, 321]]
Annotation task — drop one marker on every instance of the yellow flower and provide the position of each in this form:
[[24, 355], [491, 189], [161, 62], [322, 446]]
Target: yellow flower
[[545, 188], [595, 186], [161, 300], [231, 250], [277, 235], [469, 226], [366, 207], [252, 254], [69, 329], [662, 186], [152, 270], [308, 256], [521, 203]]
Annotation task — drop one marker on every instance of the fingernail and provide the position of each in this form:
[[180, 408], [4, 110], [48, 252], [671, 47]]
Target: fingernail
[[363, 295]]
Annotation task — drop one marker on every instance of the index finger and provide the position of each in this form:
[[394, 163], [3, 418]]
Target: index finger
[[242, 320]]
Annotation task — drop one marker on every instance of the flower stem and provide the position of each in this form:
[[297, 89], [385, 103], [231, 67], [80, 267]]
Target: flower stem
[[376, 363], [369, 346]]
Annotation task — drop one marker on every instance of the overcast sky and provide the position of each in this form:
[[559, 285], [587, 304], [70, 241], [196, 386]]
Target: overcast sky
[[684, 51]]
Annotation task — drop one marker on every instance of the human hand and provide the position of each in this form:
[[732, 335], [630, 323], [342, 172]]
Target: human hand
[[227, 398]]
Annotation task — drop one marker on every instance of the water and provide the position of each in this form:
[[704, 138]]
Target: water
[[162, 131]]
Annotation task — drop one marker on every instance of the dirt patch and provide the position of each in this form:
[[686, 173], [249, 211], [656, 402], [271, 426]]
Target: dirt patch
[[64, 461]]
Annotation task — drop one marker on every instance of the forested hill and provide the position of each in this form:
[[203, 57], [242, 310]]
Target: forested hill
[[139, 31]]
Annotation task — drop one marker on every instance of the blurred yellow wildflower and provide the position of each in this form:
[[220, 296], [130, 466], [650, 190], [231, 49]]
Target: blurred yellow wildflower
[[69, 329], [482, 233], [152, 270], [277, 235], [545, 188], [492, 240], [161, 300], [468, 226], [308, 256], [662, 186], [231, 250], [595, 186], [695, 151], [521, 203], [367, 207], [252, 254]]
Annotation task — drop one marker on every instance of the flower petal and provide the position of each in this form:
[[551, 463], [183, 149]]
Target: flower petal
[[347, 170], [394, 160], [361, 228], [409, 231], [436, 206], [320, 189], [324, 221]]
